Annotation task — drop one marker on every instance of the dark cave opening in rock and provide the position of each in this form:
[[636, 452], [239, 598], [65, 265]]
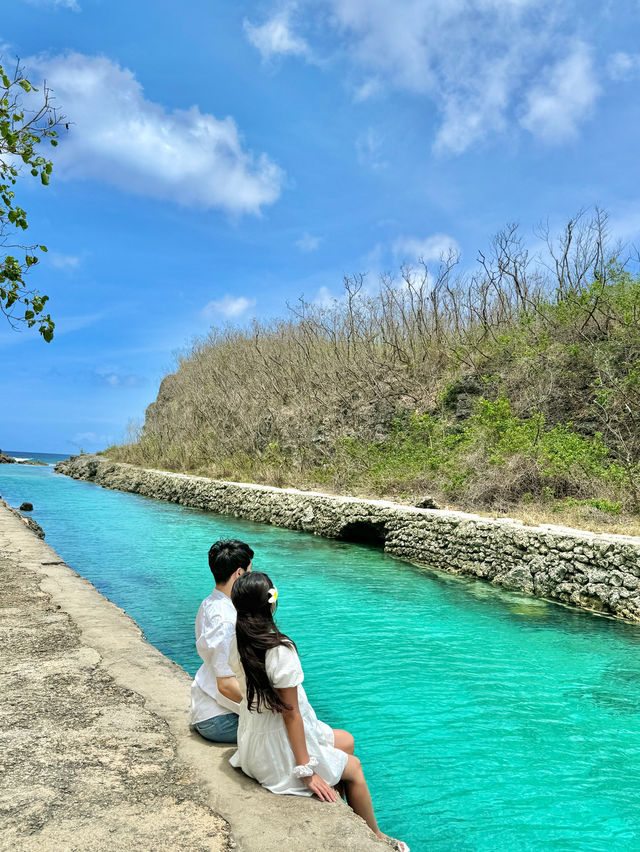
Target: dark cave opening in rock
[[364, 532]]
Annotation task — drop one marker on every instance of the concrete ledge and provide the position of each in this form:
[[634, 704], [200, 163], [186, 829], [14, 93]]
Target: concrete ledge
[[96, 748], [588, 570]]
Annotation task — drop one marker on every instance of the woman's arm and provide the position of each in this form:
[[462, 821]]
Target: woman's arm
[[295, 730]]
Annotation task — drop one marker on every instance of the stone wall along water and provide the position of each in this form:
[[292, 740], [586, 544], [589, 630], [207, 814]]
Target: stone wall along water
[[589, 570]]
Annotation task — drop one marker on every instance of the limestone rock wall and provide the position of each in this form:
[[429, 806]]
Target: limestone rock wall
[[589, 570]]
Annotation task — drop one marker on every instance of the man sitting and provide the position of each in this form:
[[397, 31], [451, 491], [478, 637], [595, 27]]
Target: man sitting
[[215, 693]]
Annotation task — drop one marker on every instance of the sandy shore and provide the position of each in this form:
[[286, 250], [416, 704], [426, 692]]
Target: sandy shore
[[95, 744]]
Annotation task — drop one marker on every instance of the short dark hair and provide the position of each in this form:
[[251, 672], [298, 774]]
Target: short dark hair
[[226, 556]]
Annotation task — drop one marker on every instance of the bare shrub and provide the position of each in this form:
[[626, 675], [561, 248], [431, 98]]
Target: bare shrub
[[556, 333]]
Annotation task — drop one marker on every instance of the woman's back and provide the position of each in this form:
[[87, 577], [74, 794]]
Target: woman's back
[[264, 751]]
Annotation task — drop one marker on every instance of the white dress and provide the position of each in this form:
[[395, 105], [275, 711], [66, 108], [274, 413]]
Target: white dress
[[264, 751]]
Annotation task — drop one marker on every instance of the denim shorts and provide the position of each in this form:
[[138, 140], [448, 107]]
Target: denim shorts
[[219, 729]]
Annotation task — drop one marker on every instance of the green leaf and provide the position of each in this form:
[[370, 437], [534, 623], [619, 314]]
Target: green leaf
[[22, 133]]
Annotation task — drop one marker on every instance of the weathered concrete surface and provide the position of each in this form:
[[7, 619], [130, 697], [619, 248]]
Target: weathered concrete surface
[[95, 749], [84, 763], [589, 570]]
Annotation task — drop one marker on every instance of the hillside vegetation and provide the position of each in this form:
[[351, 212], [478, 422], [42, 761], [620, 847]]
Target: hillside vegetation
[[514, 389]]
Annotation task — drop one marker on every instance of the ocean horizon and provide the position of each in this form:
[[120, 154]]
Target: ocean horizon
[[47, 458]]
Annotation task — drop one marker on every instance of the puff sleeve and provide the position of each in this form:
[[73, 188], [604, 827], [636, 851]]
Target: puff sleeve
[[283, 667]]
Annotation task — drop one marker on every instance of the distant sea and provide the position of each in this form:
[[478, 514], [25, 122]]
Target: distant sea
[[47, 458]]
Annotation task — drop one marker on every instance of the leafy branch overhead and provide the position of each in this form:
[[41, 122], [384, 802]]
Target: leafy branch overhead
[[28, 120]]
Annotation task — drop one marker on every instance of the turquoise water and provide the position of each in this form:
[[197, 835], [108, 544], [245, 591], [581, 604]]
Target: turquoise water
[[484, 720]]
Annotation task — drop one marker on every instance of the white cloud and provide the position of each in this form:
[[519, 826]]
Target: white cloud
[[625, 225], [228, 306], [64, 325], [564, 98], [467, 57], [63, 261], [433, 248], [115, 378], [308, 243], [369, 149], [474, 111], [624, 66], [119, 137], [56, 4], [117, 381], [369, 89], [88, 440], [275, 37], [67, 324], [472, 62], [325, 299]]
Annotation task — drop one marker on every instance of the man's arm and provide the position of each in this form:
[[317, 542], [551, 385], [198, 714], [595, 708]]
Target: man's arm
[[214, 645], [230, 688]]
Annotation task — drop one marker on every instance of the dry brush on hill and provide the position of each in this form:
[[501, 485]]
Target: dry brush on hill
[[515, 387]]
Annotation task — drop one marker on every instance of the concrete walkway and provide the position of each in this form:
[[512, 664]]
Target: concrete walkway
[[95, 749]]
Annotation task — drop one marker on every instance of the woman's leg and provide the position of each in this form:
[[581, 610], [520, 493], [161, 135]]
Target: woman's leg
[[358, 795], [359, 799], [343, 740]]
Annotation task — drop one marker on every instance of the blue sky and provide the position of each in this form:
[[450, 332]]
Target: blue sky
[[226, 158]]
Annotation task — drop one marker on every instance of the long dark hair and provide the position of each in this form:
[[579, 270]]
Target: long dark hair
[[256, 633]]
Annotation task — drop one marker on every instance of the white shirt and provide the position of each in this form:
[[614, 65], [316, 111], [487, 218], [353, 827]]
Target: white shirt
[[215, 633]]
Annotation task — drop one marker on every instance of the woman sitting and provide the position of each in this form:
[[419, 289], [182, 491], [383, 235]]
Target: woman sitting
[[281, 742]]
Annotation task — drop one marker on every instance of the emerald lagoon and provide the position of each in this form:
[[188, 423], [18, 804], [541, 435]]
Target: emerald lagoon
[[485, 720]]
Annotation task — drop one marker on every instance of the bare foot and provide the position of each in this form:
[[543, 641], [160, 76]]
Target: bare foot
[[397, 845]]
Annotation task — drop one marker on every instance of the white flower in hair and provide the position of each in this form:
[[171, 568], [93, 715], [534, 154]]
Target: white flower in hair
[[273, 595]]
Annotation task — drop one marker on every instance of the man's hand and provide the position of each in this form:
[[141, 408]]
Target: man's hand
[[229, 687], [320, 787]]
